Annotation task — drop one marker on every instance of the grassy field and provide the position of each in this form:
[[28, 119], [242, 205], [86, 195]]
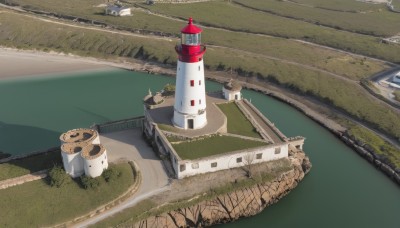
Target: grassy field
[[213, 145], [381, 147], [237, 122], [377, 22], [332, 61], [36, 204], [28, 165], [218, 14], [341, 5], [86, 42], [397, 95]]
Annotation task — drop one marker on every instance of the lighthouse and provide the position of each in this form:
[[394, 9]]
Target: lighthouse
[[190, 94]]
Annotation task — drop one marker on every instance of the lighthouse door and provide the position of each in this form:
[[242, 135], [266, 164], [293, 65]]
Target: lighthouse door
[[190, 123]]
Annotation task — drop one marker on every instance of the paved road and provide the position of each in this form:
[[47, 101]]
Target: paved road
[[130, 145]]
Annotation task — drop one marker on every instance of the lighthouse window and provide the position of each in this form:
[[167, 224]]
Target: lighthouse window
[[192, 103], [190, 39], [199, 101], [199, 82], [191, 83], [199, 68]]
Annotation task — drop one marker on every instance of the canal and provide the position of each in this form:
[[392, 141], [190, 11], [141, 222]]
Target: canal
[[342, 189]]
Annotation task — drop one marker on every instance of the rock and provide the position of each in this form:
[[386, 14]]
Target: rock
[[236, 204]]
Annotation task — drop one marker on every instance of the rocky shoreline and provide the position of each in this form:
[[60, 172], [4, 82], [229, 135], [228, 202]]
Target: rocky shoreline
[[231, 206]]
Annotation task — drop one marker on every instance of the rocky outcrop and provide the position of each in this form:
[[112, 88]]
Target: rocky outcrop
[[236, 204]]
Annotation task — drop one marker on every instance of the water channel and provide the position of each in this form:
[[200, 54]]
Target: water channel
[[342, 189]]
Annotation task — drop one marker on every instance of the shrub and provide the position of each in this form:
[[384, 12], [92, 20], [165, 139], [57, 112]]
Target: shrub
[[169, 89], [58, 177], [111, 174], [89, 182]]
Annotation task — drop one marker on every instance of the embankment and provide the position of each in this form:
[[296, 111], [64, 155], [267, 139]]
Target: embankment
[[231, 206], [339, 131]]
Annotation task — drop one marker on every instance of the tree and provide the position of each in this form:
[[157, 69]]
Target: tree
[[111, 174], [58, 177], [89, 182], [248, 161]]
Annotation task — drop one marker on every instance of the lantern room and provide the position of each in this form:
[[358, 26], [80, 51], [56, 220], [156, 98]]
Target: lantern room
[[190, 50]]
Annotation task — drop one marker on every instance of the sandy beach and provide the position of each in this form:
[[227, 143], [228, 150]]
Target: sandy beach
[[15, 63]]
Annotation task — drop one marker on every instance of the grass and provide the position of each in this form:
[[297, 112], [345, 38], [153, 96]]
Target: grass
[[147, 208], [218, 14], [20, 167], [36, 204], [380, 146], [336, 62], [342, 94], [237, 122], [213, 145], [341, 5], [378, 22], [396, 95]]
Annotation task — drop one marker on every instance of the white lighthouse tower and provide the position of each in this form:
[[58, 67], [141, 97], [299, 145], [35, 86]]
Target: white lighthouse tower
[[190, 94]]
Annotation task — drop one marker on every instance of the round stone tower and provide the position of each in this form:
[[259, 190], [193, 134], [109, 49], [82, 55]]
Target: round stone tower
[[190, 94]]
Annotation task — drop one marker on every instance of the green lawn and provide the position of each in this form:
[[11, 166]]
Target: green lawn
[[397, 95], [332, 61], [379, 21], [36, 204], [341, 5], [219, 14], [213, 145], [237, 122], [28, 165], [379, 145]]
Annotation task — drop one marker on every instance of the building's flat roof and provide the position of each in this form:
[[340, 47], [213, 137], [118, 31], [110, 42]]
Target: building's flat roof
[[72, 148], [78, 135], [92, 151]]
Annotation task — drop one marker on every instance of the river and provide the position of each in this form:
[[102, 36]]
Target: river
[[342, 189]]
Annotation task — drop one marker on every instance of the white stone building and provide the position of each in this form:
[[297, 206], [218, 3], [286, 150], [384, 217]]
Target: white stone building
[[231, 91], [94, 160], [82, 153]]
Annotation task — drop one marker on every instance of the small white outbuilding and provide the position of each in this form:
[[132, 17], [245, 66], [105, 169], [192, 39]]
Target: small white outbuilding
[[231, 90], [82, 153], [116, 10]]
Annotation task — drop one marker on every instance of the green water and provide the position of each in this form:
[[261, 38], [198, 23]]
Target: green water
[[342, 190]]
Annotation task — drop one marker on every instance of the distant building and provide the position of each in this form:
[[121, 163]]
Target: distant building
[[396, 78], [116, 10]]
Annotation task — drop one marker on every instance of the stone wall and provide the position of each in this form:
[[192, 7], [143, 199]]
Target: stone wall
[[240, 203]]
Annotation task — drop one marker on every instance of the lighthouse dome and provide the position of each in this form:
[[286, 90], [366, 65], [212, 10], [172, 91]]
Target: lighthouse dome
[[191, 28]]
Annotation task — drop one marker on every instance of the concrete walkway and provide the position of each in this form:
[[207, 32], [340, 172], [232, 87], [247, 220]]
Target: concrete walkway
[[216, 120], [129, 145], [275, 138]]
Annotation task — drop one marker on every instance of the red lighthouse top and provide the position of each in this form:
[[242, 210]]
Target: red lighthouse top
[[190, 50], [191, 28]]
